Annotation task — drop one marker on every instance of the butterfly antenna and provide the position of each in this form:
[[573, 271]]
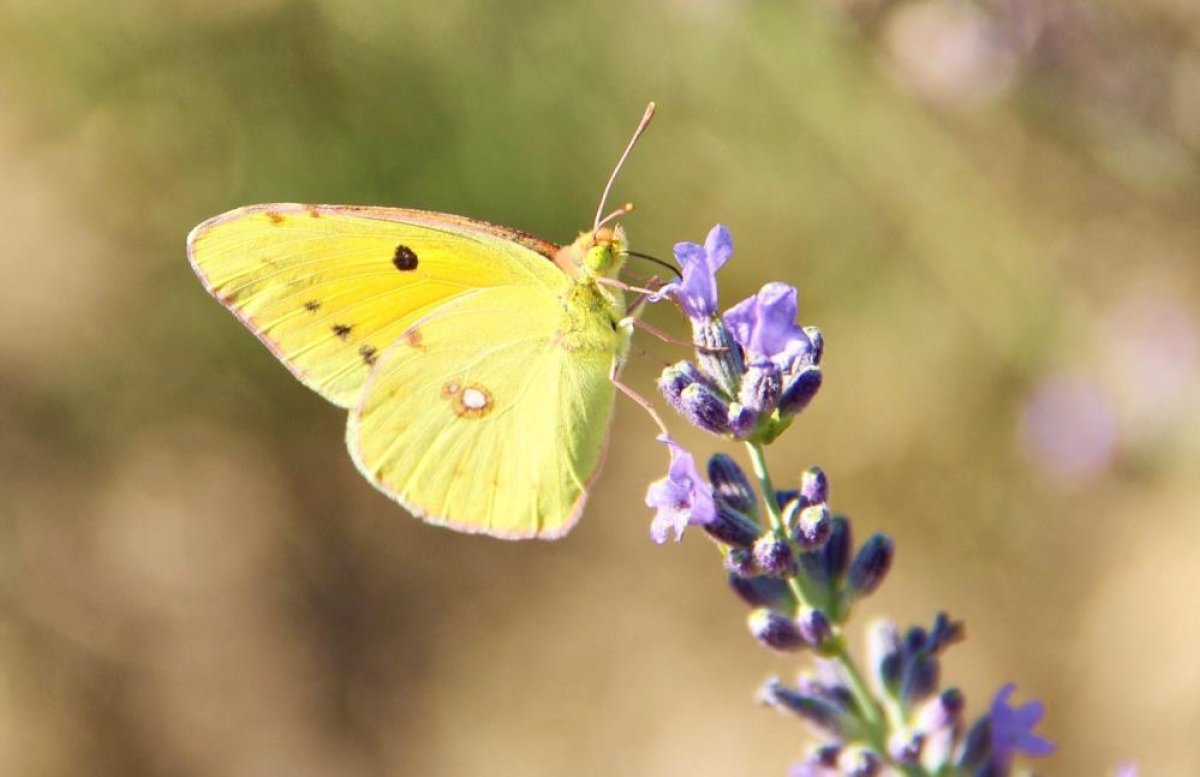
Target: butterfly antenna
[[637, 133], [669, 267], [616, 214]]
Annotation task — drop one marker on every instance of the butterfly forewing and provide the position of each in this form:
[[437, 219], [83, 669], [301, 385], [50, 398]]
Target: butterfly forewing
[[329, 288]]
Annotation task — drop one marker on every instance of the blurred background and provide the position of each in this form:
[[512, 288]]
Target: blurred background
[[989, 208]]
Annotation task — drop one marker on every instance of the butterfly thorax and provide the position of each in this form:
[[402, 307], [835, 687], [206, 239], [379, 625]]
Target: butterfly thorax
[[592, 316]]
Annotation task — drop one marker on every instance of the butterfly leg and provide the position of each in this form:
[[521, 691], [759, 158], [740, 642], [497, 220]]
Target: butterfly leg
[[636, 397], [635, 308], [623, 286], [661, 335]]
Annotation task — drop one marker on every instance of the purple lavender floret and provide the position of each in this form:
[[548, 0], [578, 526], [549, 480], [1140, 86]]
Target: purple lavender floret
[[696, 291], [765, 326], [1012, 729], [681, 499]]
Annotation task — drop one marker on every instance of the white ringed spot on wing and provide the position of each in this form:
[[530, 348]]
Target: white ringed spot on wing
[[471, 401]]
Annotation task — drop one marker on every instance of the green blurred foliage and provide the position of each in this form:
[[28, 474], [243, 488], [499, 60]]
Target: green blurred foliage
[[195, 580]]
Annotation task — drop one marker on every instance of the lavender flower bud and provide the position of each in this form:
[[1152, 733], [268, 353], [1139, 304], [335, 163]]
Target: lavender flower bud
[[813, 527], [720, 357], [943, 712], [905, 747], [785, 496], [817, 341], [675, 378], [831, 687], [730, 484], [827, 754], [870, 566], [760, 590], [920, 679], [939, 719], [799, 390], [731, 527], [761, 387], [916, 640], [704, 408], [835, 555], [740, 561], [815, 627], [837, 548], [820, 713], [886, 655], [863, 763], [978, 744], [945, 633], [742, 420], [814, 486], [775, 630], [774, 555]]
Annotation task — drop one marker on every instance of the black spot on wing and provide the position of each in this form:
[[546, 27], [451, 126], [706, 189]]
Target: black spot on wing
[[313, 305], [368, 354], [404, 258], [342, 330]]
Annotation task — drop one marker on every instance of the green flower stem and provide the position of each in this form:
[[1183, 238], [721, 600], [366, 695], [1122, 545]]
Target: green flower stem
[[759, 459], [872, 714]]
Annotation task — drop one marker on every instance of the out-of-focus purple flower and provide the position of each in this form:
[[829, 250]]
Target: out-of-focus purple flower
[[1012, 729], [1126, 770], [1161, 335], [1069, 428], [765, 326], [950, 53], [681, 498], [696, 291]]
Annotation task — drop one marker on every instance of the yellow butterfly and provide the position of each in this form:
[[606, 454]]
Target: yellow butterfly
[[478, 362]]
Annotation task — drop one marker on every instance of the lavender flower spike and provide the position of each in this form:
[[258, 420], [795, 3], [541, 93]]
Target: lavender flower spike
[[696, 292], [683, 497], [1012, 729]]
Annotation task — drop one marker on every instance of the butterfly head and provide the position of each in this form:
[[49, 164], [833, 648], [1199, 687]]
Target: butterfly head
[[600, 252], [605, 252]]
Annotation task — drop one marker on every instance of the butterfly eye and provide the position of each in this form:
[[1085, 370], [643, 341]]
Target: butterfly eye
[[601, 259]]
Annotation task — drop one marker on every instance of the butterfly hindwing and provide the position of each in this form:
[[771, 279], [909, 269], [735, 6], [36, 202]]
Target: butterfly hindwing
[[329, 288], [481, 418]]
